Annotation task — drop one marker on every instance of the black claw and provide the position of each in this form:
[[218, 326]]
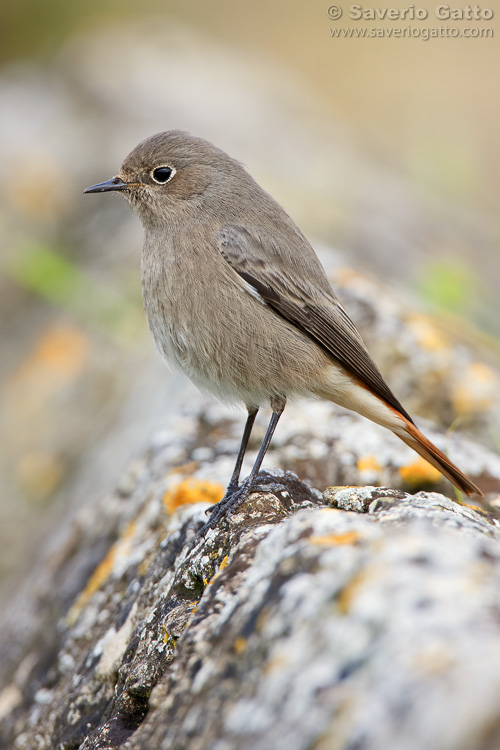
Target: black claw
[[231, 490], [234, 497], [232, 487], [229, 502]]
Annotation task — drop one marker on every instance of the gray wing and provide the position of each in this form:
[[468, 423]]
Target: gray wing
[[310, 306]]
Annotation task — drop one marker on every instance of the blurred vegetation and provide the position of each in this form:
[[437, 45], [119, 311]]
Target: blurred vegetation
[[450, 284], [55, 278]]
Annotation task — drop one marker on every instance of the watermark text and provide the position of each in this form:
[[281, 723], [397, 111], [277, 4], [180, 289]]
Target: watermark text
[[410, 32], [443, 12]]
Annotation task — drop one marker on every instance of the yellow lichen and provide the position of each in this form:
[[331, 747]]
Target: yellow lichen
[[348, 593], [368, 463], [240, 645], [427, 334], [329, 510], [192, 490], [224, 563], [169, 639], [263, 619], [277, 663], [60, 352], [349, 537], [419, 472], [477, 389], [144, 565], [477, 508], [102, 572], [188, 468]]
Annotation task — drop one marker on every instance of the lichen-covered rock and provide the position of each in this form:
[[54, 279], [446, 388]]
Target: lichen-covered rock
[[357, 617]]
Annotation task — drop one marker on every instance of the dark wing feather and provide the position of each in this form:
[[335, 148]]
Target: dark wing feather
[[315, 310]]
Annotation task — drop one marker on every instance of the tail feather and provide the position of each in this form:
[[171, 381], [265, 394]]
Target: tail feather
[[339, 386], [412, 436]]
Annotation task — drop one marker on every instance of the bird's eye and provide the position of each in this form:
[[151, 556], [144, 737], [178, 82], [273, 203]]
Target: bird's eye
[[162, 175]]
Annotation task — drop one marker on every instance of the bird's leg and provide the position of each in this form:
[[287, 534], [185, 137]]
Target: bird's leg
[[232, 499], [235, 478], [234, 481]]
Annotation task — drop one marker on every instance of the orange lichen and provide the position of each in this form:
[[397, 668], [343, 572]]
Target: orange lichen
[[277, 663], [102, 572], [217, 574], [349, 537], [368, 463], [144, 565], [427, 334], [262, 619], [169, 639], [99, 576], [418, 472], [192, 491], [477, 508], [477, 390], [348, 593], [96, 580], [61, 351], [240, 645], [330, 510], [189, 468]]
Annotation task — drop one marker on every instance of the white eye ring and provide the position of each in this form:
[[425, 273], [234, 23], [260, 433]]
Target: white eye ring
[[163, 174]]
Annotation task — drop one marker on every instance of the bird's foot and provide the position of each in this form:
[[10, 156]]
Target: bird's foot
[[234, 496], [231, 489]]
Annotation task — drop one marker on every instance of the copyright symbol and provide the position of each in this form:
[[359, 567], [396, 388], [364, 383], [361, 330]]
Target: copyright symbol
[[334, 12]]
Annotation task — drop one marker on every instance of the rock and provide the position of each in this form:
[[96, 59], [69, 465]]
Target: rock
[[357, 617]]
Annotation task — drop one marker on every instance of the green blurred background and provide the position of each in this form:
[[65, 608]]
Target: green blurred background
[[384, 150]]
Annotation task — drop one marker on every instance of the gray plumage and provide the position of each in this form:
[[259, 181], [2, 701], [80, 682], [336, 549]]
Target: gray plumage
[[236, 297]]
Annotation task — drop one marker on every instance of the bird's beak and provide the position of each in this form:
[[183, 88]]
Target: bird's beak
[[103, 187]]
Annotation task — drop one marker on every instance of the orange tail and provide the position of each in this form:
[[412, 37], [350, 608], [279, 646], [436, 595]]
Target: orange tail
[[350, 392], [414, 438]]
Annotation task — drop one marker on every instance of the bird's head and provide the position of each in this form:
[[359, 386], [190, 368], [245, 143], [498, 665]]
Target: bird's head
[[171, 173]]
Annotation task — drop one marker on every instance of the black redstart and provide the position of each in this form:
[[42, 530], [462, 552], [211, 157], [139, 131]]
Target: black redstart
[[236, 297]]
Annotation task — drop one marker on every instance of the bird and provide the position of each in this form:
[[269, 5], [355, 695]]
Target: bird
[[237, 299]]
